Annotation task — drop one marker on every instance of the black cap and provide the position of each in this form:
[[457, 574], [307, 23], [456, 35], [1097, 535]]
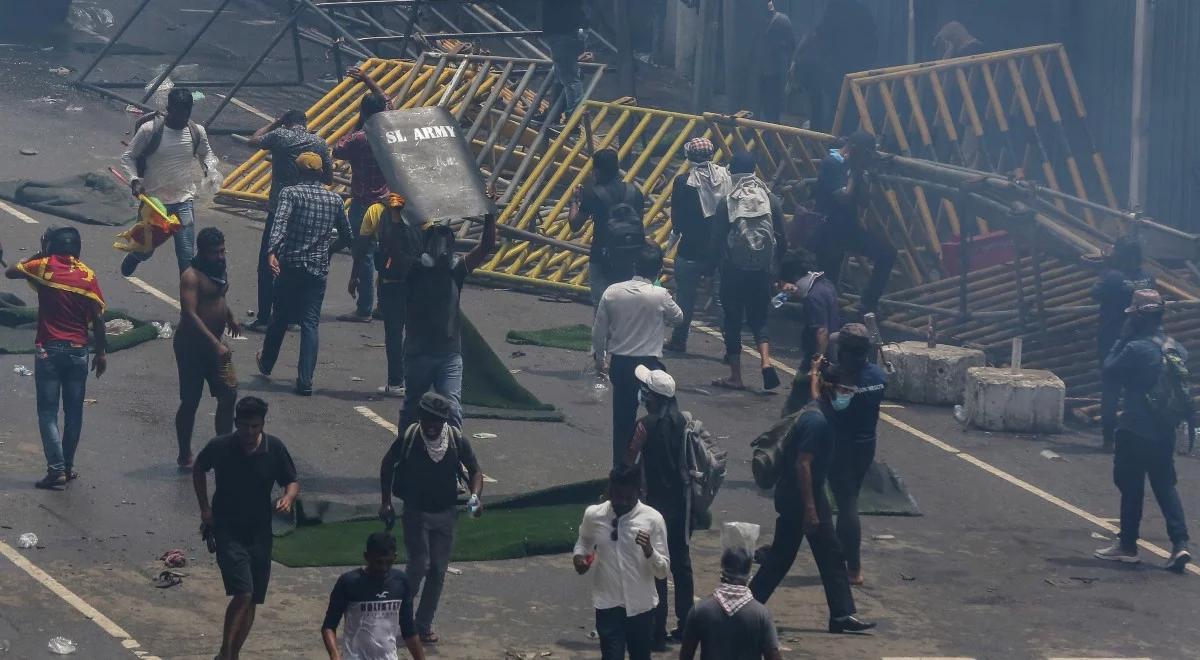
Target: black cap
[[437, 405]]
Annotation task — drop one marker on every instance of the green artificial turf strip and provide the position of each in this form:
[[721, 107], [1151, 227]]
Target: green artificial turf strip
[[487, 382], [498, 534], [571, 337], [22, 342]]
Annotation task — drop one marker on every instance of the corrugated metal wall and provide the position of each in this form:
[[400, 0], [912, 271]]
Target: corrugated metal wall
[[1173, 186]]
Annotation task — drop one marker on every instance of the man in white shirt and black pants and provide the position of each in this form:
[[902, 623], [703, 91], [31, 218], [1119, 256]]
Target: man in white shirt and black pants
[[162, 161], [624, 543], [630, 322]]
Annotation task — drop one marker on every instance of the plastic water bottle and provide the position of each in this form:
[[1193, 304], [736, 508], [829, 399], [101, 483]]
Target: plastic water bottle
[[598, 387], [473, 505], [779, 299]]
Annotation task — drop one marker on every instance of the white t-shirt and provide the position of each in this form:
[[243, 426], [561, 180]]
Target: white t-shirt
[[174, 168]]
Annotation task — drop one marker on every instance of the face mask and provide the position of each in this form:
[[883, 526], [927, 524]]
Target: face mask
[[841, 401]]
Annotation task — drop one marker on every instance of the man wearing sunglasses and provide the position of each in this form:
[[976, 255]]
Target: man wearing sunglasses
[[623, 543]]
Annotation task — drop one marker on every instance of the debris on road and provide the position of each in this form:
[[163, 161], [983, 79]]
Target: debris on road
[[168, 579], [884, 537], [27, 540], [907, 578], [60, 71], [61, 646], [517, 354], [164, 329], [484, 436], [357, 379], [90, 402], [26, 151], [117, 326], [453, 571], [22, 370], [1100, 537], [1049, 455], [174, 558]]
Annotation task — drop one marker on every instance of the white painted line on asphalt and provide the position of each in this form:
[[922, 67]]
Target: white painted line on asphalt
[[139, 283], [42, 577], [18, 214], [248, 108], [370, 414], [1102, 523], [925, 657], [1091, 658], [391, 428]]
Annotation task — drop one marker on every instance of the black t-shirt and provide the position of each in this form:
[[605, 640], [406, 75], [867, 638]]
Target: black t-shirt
[[591, 205], [662, 460], [434, 318], [428, 486], [821, 310], [1112, 292], [811, 434], [833, 175], [562, 16], [379, 613], [857, 423], [242, 500], [687, 218]]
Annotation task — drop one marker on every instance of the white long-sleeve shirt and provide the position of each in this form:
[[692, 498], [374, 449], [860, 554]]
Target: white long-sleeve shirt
[[622, 574], [174, 168], [631, 319]]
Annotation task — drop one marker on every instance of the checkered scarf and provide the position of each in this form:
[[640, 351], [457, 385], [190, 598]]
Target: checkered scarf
[[733, 597]]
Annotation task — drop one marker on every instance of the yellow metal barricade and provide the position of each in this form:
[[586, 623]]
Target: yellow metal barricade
[[447, 80], [1015, 112]]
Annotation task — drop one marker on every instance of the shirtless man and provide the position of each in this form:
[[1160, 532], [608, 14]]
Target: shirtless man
[[199, 352]]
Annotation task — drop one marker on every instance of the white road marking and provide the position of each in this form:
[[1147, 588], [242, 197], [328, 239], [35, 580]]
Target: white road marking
[[17, 213], [391, 428], [1103, 523], [139, 283], [926, 657], [106, 624], [248, 108], [371, 415], [1091, 658]]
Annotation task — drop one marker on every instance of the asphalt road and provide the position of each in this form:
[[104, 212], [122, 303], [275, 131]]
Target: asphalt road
[[996, 568]]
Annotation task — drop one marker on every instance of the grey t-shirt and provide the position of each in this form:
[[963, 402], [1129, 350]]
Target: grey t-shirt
[[747, 635]]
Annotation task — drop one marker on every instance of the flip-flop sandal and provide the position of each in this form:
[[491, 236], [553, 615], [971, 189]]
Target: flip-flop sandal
[[770, 378], [430, 638], [168, 579], [725, 384]]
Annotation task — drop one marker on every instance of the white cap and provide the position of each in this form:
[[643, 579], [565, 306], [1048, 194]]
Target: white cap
[[659, 381]]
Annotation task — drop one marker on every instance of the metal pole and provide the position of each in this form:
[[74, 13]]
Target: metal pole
[[158, 81], [257, 63], [1139, 143], [297, 53], [113, 42], [337, 26]]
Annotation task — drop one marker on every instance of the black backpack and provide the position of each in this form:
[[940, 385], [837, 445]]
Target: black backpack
[[1170, 398], [625, 233], [399, 248], [156, 140]]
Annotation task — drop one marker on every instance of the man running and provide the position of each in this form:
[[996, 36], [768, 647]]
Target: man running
[[200, 355], [246, 463], [377, 606]]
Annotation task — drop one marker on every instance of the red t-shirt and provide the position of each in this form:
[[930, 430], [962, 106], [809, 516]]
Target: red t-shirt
[[64, 316]]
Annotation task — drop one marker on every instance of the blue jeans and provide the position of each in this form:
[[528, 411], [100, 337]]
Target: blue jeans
[[60, 371], [597, 283], [564, 52], [185, 238], [687, 281], [298, 298], [1140, 458], [366, 274], [442, 373], [266, 279]]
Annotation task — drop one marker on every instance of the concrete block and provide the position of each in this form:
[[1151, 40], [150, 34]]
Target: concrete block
[[1025, 401], [935, 375]]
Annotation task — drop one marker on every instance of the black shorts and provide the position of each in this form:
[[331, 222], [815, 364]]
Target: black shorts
[[245, 562], [197, 365]]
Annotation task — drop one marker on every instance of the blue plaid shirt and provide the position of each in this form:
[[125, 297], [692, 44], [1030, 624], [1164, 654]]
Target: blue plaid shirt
[[303, 229]]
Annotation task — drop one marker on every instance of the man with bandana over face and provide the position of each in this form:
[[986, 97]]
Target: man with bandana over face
[[200, 355], [433, 339]]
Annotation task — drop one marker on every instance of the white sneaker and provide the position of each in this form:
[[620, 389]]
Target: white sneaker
[[1116, 553], [391, 390]]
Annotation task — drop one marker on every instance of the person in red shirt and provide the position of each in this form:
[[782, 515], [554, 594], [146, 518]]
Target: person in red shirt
[[367, 187], [69, 301]]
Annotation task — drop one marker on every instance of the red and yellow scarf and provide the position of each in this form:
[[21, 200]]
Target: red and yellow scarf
[[65, 274]]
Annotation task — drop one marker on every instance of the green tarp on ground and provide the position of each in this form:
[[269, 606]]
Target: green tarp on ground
[[537, 523], [489, 389], [18, 329], [571, 337], [93, 198]]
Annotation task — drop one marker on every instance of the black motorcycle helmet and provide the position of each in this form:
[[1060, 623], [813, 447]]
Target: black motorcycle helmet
[[62, 241]]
